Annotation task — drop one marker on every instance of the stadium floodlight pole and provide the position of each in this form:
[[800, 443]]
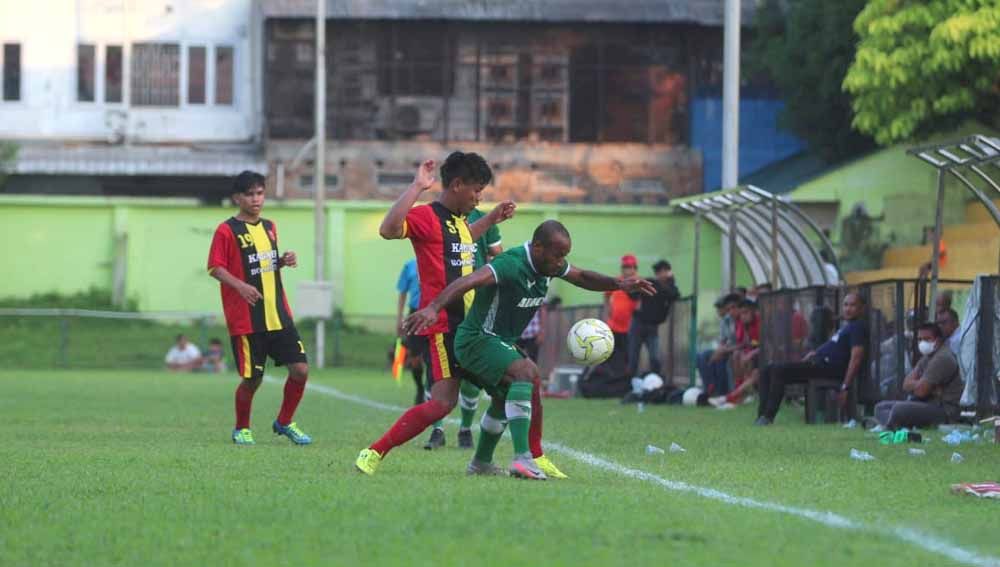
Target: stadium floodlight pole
[[320, 174], [730, 118]]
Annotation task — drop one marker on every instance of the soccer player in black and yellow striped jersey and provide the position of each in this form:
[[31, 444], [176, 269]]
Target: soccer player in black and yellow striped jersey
[[244, 258]]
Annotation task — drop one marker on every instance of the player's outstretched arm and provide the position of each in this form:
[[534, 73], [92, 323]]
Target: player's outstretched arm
[[501, 212], [392, 224], [426, 317], [594, 281]]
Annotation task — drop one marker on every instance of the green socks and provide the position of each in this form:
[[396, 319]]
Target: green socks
[[490, 431], [518, 409], [468, 402]]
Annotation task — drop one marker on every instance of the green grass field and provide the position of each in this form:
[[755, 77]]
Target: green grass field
[[135, 467]]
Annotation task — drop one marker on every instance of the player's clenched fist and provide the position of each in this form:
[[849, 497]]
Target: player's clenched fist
[[424, 178]]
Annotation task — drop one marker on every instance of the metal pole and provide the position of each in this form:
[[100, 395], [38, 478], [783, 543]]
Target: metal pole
[[774, 242], [695, 283], [936, 244], [320, 174], [731, 95], [730, 120], [731, 257]]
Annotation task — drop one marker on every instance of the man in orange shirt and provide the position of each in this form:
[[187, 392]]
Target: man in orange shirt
[[618, 309]]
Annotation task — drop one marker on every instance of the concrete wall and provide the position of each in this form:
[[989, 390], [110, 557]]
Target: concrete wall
[[618, 173], [68, 245], [49, 32]]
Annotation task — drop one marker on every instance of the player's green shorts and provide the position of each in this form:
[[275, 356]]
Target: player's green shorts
[[486, 356]]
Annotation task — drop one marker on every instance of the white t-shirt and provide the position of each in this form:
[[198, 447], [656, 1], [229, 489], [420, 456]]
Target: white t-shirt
[[185, 355]]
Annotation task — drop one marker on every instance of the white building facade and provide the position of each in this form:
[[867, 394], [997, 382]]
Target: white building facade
[[110, 87]]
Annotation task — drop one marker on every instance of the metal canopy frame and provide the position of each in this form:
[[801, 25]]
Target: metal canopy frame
[[768, 231], [967, 159]]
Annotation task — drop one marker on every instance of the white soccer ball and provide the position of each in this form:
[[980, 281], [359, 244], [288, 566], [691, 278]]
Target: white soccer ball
[[590, 342]]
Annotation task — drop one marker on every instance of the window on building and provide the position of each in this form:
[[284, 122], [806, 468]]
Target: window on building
[[86, 60], [12, 71], [196, 75], [412, 60], [224, 75], [155, 74], [391, 80], [113, 65]]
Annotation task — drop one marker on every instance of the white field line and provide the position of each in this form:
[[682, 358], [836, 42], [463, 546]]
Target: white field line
[[924, 541]]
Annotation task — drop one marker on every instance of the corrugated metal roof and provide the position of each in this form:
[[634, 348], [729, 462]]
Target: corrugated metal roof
[[798, 261], [58, 159], [704, 12]]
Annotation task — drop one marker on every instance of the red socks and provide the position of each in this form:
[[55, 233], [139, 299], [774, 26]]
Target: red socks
[[244, 399], [535, 429], [244, 402], [293, 394], [411, 424]]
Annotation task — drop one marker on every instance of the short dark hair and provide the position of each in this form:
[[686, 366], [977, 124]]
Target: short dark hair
[[544, 232], [740, 290], [178, 338], [247, 180], [661, 265], [732, 298], [214, 342], [748, 304], [468, 167], [933, 328], [951, 312], [861, 298]]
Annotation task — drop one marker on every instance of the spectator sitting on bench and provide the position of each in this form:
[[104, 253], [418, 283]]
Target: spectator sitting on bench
[[934, 386], [840, 358], [714, 364], [947, 319], [745, 356]]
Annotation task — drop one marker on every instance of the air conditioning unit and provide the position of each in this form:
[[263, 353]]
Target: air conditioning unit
[[409, 116]]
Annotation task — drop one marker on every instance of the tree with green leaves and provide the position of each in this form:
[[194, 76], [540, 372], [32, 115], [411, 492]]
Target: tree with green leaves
[[923, 67], [804, 48]]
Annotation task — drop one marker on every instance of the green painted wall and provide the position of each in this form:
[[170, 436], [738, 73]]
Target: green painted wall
[[66, 245], [895, 184]]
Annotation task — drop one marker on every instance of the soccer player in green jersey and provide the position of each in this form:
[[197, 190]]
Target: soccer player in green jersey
[[508, 293]]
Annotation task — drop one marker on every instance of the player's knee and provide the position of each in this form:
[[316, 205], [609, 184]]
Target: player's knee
[[441, 408], [492, 425], [523, 370], [298, 372]]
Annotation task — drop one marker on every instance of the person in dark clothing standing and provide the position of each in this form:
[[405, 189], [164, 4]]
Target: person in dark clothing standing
[[839, 358], [648, 317]]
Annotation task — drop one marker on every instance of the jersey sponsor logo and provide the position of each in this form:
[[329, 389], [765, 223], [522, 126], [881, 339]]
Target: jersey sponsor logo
[[450, 225], [529, 302], [460, 262], [460, 248]]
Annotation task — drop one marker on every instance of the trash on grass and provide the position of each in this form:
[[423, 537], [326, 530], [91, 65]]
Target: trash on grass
[[916, 452], [675, 448], [956, 458], [861, 455], [654, 450]]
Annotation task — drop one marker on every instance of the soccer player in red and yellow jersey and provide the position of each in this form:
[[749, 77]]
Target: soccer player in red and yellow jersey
[[445, 247], [244, 258]]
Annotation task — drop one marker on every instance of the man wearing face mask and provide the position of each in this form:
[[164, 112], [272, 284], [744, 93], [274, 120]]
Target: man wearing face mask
[[934, 386]]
